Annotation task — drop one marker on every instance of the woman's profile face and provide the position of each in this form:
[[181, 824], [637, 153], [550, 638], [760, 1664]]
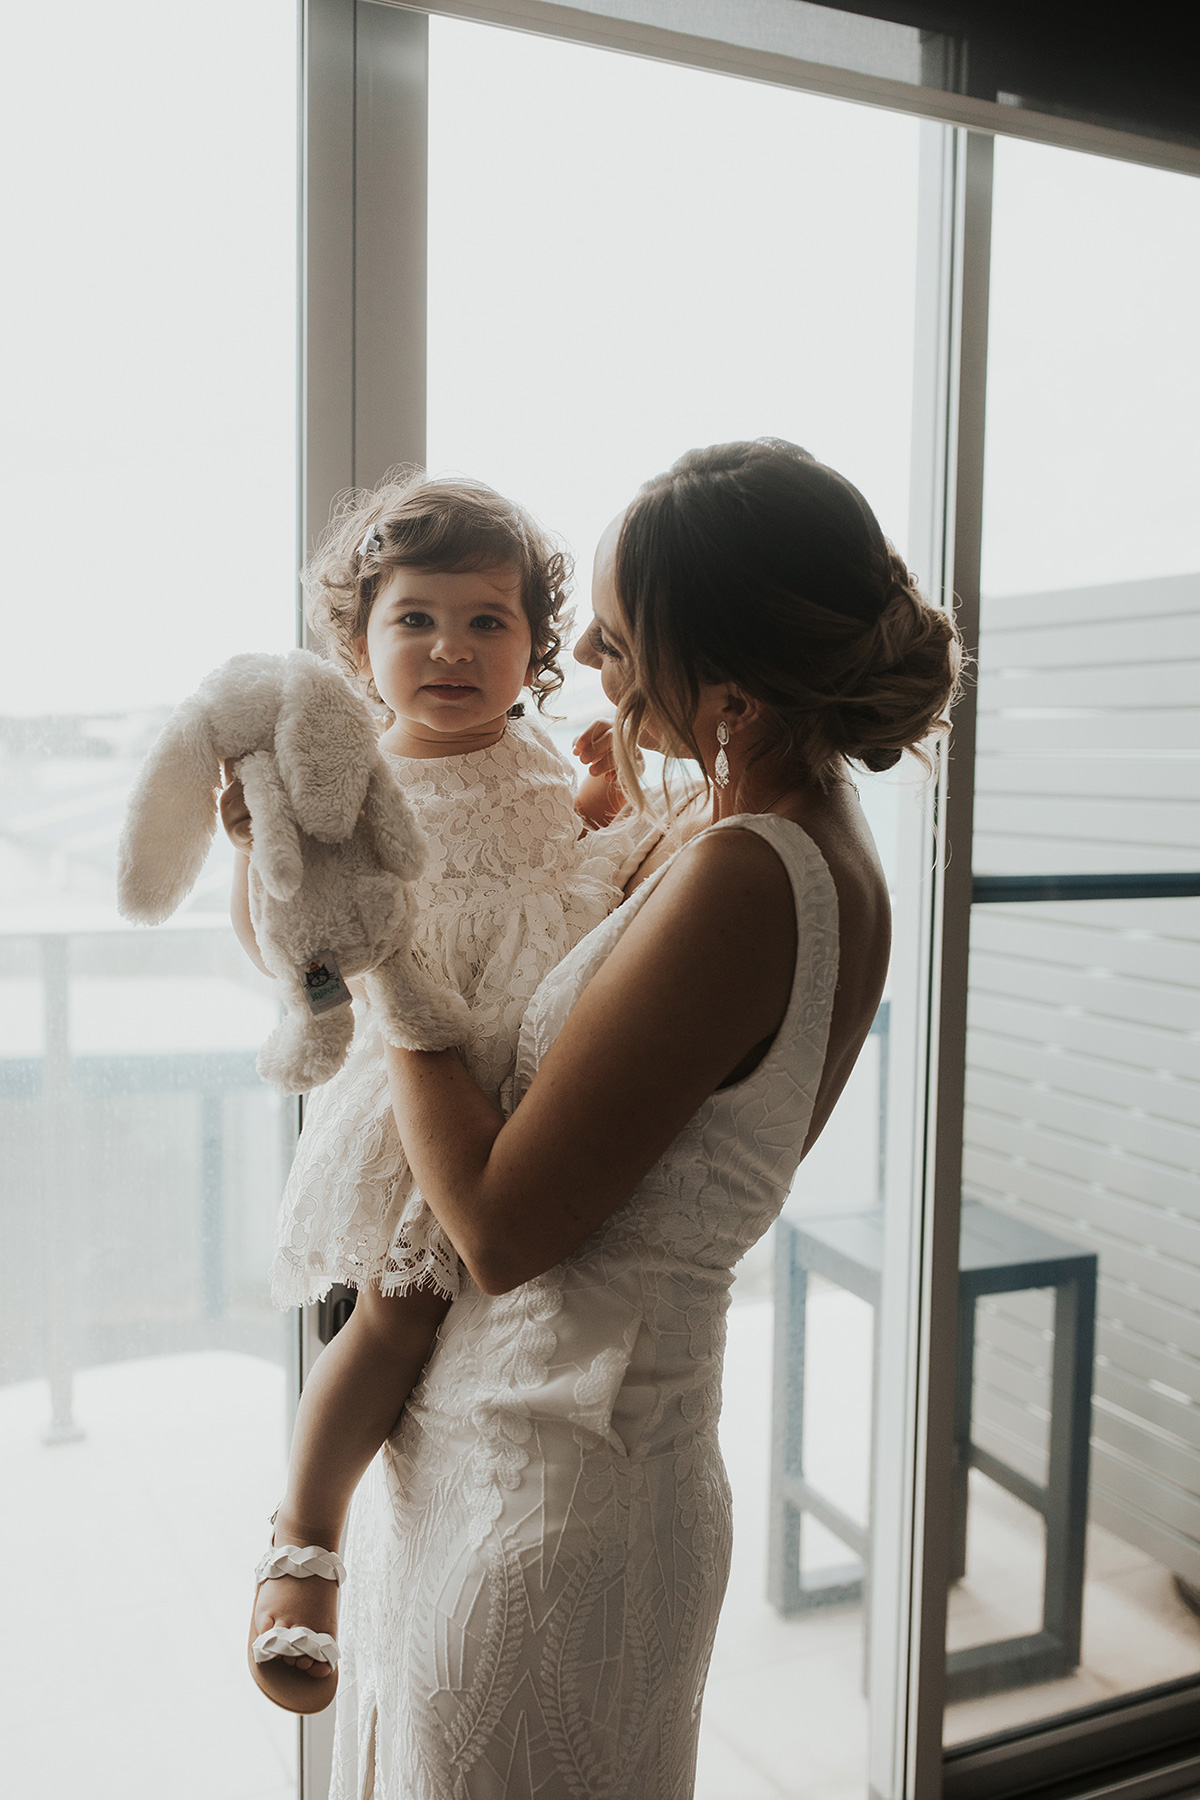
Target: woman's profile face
[[602, 645]]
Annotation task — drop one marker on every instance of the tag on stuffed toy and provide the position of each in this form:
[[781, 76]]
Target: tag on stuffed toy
[[323, 985]]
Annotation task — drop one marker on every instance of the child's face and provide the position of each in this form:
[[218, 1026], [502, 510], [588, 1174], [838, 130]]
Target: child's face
[[449, 652]]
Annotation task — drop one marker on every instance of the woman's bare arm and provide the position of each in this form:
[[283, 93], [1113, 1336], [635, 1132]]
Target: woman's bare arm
[[698, 982]]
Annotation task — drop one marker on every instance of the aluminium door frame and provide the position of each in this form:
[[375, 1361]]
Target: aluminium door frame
[[363, 79], [957, 368], [325, 395], [361, 373], [587, 23]]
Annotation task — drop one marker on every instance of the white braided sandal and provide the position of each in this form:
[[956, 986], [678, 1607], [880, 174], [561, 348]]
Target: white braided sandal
[[295, 1689]]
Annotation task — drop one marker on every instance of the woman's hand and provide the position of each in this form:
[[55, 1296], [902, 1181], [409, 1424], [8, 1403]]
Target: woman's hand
[[235, 814], [599, 797]]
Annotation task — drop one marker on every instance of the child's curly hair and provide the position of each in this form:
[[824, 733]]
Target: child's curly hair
[[451, 526]]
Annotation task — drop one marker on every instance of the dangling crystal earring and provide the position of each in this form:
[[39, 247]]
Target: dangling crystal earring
[[721, 766]]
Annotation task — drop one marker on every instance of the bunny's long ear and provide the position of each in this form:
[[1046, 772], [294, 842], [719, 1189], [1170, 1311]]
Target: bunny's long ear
[[276, 853], [171, 819], [325, 741]]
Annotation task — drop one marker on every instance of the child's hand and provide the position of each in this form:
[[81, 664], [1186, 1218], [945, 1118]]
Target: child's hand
[[235, 814], [594, 747], [599, 798]]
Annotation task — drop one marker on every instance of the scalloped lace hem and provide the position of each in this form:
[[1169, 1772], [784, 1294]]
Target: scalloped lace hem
[[419, 1255]]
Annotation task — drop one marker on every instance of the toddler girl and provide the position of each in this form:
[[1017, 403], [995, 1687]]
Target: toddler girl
[[445, 600]]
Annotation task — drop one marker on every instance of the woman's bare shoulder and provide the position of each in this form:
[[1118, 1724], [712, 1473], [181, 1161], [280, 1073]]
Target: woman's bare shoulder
[[733, 857], [723, 909]]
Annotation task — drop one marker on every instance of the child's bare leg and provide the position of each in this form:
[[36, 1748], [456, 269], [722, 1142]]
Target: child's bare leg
[[350, 1404]]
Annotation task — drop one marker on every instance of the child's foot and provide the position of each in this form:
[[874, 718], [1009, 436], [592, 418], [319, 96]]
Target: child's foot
[[287, 1600], [300, 1683]]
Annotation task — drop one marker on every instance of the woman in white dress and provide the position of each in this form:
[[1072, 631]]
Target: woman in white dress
[[539, 1554]]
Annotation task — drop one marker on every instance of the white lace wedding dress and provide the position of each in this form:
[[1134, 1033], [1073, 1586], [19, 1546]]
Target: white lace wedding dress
[[509, 886], [538, 1557]]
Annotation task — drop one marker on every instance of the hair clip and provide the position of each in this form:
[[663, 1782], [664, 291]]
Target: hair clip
[[373, 540]]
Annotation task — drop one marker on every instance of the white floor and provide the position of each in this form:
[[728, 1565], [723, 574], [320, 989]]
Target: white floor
[[784, 1712], [123, 1551], [136, 1543]]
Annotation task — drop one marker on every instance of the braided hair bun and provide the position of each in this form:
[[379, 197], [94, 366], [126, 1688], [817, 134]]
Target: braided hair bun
[[893, 687]]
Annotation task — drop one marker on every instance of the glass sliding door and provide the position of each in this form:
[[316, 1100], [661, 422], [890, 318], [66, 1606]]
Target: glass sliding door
[[627, 259], [149, 530], [1077, 1529]]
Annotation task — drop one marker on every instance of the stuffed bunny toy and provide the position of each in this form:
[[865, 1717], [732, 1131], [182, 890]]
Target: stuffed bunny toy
[[334, 845]]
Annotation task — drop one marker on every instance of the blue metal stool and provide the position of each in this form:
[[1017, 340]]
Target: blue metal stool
[[998, 1255]]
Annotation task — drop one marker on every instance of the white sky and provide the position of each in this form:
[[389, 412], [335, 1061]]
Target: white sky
[[1093, 457], [148, 345], [626, 259]]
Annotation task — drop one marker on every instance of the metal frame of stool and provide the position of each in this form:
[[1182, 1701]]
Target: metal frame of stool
[[1000, 1255]]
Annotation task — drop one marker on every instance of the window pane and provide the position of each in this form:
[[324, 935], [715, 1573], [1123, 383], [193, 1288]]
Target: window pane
[[1089, 659], [149, 458], [627, 260], [1082, 1110], [679, 271], [1083, 1058]]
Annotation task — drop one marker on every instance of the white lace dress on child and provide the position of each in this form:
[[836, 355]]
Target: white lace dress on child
[[508, 888], [537, 1557]]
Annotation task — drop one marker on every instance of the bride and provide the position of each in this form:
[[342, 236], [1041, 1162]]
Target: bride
[[539, 1554]]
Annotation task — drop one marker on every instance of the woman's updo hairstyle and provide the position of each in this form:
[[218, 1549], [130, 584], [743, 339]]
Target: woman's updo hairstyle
[[753, 563]]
